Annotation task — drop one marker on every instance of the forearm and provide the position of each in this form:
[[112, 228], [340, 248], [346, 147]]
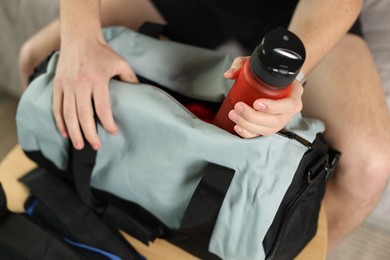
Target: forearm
[[43, 43], [79, 20], [321, 25]]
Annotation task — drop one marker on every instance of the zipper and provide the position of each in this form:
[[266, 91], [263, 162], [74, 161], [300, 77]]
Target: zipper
[[293, 136]]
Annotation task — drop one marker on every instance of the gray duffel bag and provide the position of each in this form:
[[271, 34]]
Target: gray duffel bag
[[169, 174]]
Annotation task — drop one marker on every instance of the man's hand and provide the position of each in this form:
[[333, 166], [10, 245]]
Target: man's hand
[[265, 116], [81, 85]]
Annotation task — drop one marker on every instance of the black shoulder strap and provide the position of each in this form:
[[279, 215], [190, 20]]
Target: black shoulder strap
[[60, 208], [22, 239]]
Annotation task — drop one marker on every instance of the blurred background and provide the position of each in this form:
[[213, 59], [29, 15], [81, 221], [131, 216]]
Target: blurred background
[[19, 19]]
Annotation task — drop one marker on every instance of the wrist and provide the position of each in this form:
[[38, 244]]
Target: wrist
[[81, 23]]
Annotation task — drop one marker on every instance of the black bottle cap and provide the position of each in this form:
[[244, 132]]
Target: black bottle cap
[[278, 58]]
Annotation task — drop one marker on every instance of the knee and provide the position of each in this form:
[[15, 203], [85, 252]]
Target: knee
[[377, 170], [371, 175]]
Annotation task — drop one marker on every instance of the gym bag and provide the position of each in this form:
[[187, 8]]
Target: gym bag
[[170, 175]]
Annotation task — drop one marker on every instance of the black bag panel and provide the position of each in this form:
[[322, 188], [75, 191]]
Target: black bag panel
[[21, 238], [9, 253], [295, 223], [58, 207], [300, 222]]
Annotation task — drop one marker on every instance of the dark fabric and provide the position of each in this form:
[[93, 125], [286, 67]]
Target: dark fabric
[[124, 220], [210, 23], [297, 215], [3, 202], [82, 165], [21, 238], [24, 237], [356, 28], [60, 209], [198, 221]]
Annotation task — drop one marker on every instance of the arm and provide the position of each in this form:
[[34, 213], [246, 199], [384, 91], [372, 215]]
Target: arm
[[113, 13], [81, 77], [36, 49], [320, 25]]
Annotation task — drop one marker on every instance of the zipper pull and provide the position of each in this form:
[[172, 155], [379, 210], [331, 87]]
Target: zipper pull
[[294, 136]]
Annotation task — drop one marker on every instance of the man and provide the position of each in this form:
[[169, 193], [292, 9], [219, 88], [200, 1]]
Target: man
[[343, 88]]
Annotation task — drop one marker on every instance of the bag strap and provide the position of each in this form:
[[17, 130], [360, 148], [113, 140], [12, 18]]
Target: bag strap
[[59, 207], [22, 239], [154, 30], [202, 210]]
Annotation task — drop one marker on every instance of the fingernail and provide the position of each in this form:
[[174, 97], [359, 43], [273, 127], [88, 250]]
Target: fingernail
[[238, 129], [114, 132], [231, 70], [78, 145], [239, 108], [96, 146], [234, 116], [260, 106]]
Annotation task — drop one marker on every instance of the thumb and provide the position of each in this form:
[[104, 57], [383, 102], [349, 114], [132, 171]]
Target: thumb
[[235, 68], [127, 74]]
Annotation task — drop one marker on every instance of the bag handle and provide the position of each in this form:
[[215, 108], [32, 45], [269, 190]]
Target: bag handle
[[202, 210], [208, 197]]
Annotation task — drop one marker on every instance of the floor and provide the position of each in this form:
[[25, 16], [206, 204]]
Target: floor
[[371, 241]]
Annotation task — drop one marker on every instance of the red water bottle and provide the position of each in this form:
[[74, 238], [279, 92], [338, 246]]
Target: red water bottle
[[269, 73]]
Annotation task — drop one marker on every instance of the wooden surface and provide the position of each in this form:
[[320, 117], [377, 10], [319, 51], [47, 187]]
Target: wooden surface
[[16, 164]]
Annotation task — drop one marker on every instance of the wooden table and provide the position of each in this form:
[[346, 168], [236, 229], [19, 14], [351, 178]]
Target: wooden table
[[16, 164]]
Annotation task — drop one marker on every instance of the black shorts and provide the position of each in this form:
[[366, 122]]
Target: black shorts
[[210, 23]]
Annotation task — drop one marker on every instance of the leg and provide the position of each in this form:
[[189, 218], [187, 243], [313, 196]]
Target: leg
[[344, 91]]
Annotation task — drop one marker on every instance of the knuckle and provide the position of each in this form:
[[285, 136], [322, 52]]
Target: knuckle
[[267, 132], [68, 114], [299, 106], [239, 60], [83, 117], [56, 111], [57, 82], [296, 104], [274, 121], [103, 110]]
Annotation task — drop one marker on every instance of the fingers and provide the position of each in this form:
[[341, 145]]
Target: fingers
[[85, 116], [126, 73], [267, 116], [235, 68], [78, 90], [252, 123], [71, 119], [58, 111], [290, 104], [103, 109]]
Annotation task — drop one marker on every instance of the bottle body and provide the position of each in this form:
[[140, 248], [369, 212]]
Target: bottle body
[[247, 88]]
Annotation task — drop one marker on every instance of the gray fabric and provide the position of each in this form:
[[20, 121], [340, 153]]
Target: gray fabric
[[376, 29], [156, 158], [19, 20]]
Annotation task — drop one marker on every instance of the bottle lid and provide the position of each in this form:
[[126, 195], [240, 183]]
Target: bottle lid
[[278, 58]]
